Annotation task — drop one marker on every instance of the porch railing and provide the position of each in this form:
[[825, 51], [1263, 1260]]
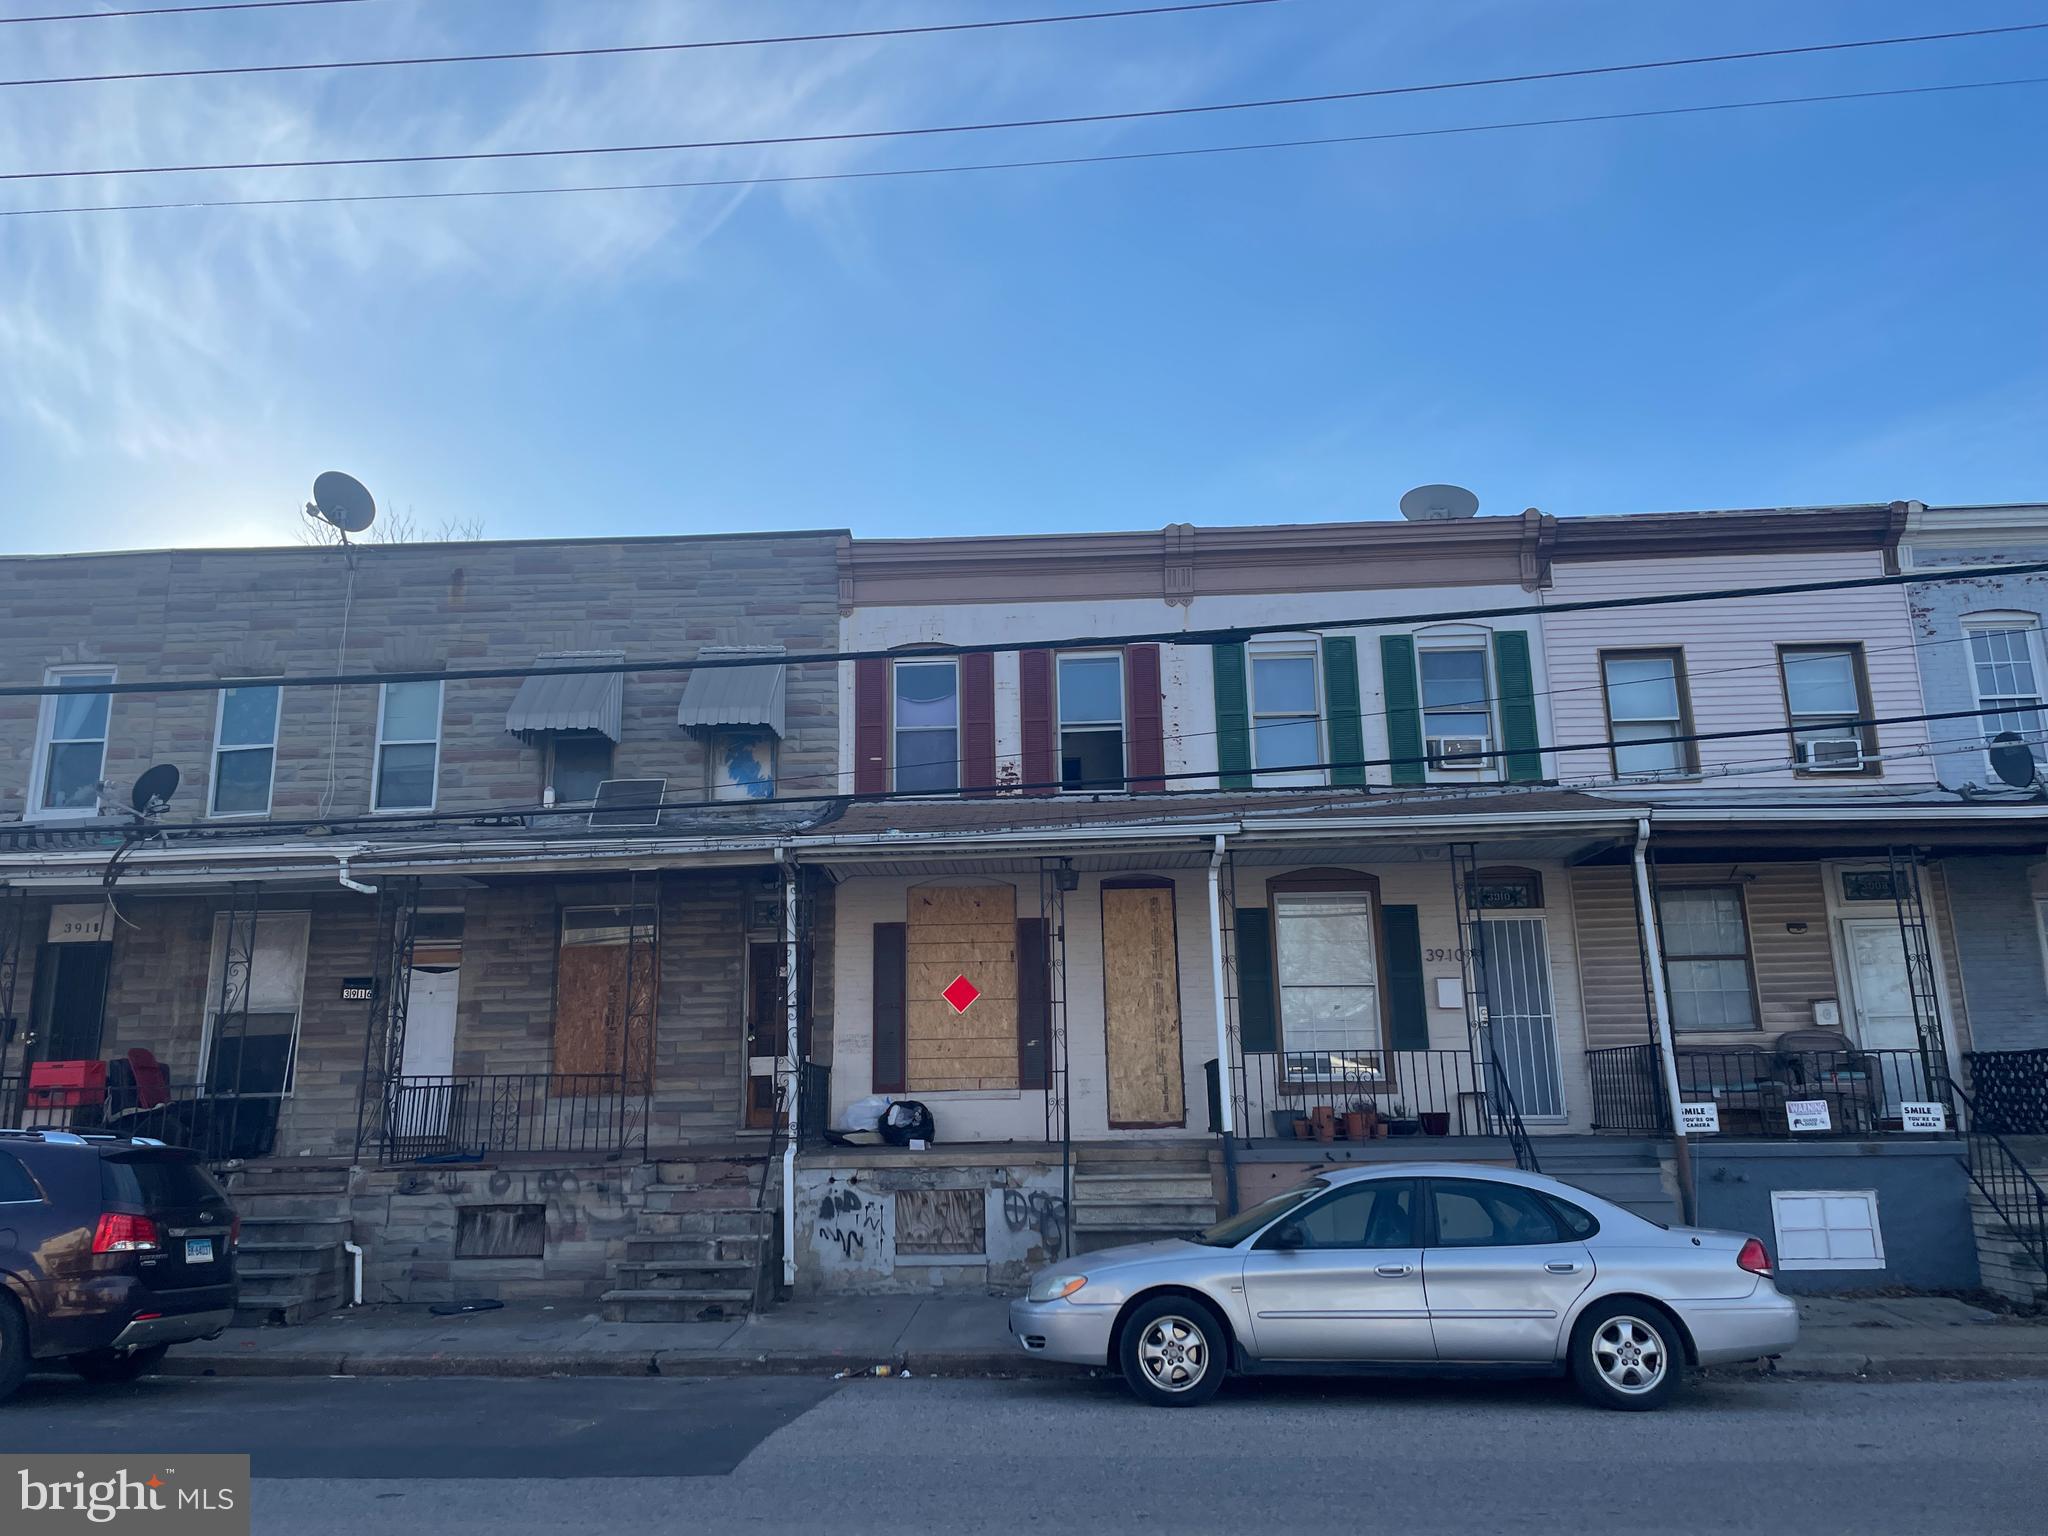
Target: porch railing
[[2006, 1183], [493, 1113], [1439, 1089], [1627, 1090], [220, 1127], [1763, 1092], [2010, 1091]]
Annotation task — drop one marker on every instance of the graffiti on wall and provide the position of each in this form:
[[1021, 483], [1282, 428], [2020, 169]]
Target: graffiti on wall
[[850, 1223], [1036, 1211]]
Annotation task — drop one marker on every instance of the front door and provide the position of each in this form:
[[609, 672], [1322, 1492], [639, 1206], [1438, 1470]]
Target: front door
[[1882, 995], [70, 1002], [767, 1030], [1342, 1280], [429, 1052], [1141, 1007], [1500, 1271], [1523, 1023]]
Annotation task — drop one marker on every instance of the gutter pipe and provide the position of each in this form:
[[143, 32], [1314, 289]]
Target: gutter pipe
[[793, 1113], [1660, 1005], [1225, 1108]]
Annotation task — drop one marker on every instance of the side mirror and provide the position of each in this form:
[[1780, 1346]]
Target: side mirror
[[1289, 1235]]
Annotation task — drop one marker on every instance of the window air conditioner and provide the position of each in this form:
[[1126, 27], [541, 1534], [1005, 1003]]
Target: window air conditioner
[[1457, 752], [1831, 754]]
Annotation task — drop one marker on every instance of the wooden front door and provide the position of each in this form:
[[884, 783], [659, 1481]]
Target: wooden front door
[[767, 1030], [1141, 1007]]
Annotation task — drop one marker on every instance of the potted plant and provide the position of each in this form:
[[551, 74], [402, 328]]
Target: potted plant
[[1361, 1120], [1324, 1120], [1283, 1122], [1400, 1122], [1303, 1129], [1436, 1122]]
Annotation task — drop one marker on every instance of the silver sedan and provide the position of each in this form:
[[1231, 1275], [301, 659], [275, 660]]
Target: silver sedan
[[1417, 1266]]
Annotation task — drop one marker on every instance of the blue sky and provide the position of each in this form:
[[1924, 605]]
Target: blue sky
[[1786, 306]]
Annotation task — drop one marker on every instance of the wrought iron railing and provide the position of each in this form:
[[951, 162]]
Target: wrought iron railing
[[814, 1104], [1627, 1089], [490, 1114], [1507, 1116], [1414, 1092], [2009, 1090], [2007, 1183], [1764, 1092]]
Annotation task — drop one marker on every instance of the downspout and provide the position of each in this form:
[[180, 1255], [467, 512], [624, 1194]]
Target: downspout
[[1225, 1109], [1660, 1003], [354, 885], [355, 1254], [793, 1111]]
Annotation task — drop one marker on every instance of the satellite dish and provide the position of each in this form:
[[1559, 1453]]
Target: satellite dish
[[343, 501], [1438, 504], [153, 790], [2013, 760]]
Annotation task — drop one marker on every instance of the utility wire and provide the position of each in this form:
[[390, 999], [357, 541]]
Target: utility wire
[[638, 48], [854, 135], [1016, 165], [172, 10], [1223, 635]]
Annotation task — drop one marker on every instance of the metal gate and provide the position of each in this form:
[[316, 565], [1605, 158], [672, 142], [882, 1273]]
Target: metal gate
[[1524, 1017]]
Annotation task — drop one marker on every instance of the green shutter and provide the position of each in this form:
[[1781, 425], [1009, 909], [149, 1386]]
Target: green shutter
[[1517, 692], [1233, 718], [1407, 1004], [1340, 692], [1255, 1022], [1404, 710]]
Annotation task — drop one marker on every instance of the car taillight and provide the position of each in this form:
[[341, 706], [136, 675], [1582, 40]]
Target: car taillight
[[234, 1231], [1754, 1257], [122, 1233]]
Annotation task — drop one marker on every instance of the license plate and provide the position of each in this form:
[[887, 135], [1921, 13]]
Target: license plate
[[198, 1250]]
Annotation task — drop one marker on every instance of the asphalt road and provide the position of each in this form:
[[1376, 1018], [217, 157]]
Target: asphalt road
[[469, 1457]]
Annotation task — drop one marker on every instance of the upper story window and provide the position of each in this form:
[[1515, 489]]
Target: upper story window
[[245, 750], [1826, 693], [1646, 700], [742, 765], [1286, 712], [1457, 702], [577, 762], [71, 743], [1091, 715], [408, 747], [925, 717], [2005, 674]]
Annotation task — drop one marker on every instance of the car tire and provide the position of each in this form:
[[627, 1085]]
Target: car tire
[[1628, 1355], [104, 1365], [13, 1347], [1174, 1352]]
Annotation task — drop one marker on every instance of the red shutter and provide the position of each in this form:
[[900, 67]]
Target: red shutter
[[870, 727], [978, 723], [1146, 746], [1034, 693]]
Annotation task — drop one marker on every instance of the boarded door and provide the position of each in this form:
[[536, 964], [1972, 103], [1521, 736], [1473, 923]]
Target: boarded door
[[603, 1015], [1141, 1006]]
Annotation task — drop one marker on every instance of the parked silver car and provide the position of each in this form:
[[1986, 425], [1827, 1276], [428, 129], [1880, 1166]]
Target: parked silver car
[[1416, 1265]]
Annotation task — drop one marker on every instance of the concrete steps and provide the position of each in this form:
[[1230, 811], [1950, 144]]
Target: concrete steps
[[1629, 1174], [290, 1266], [2003, 1262], [1137, 1192], [703, 1248], [708, 1305]]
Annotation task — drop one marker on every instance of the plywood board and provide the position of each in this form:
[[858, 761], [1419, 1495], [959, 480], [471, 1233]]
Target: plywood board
[[1141, 1007], [952, 931], [590, 1010]]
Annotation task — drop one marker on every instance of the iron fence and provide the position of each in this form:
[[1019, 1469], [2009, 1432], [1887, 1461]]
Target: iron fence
[[493, 1113], [1627, 1089], [1412, 1092], [813, 1103], [2010, 1091], [2006, 1182], [1762, 1092]]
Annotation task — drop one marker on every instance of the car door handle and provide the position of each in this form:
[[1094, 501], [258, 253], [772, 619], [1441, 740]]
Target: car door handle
[[1393, 1271], [1564, 1268]]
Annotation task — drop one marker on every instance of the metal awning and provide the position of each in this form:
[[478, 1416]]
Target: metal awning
[[735, 695], [588, 701]]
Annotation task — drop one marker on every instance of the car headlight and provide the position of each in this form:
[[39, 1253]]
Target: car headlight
[[1056, 1287]]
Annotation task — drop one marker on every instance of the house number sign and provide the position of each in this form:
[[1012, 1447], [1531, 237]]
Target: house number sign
[[78, 922]]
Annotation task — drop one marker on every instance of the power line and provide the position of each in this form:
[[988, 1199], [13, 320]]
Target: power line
[[172, 10], [1015, 165], [1222, 635], [1073, 120], [625, 49]]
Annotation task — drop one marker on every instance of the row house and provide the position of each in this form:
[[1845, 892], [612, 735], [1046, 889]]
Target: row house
[[502, 926]]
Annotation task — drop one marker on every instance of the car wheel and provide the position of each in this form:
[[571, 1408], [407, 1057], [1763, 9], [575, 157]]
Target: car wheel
[[13, 1347], [106, 1365], [1627, 1354], [1174, 1352]]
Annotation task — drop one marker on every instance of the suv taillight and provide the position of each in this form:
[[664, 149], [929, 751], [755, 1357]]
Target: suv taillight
[[1754, 1257], [122, 1233], [235, 1231]]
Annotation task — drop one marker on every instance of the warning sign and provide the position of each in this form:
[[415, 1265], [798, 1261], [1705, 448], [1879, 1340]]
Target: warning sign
[[960, 993]]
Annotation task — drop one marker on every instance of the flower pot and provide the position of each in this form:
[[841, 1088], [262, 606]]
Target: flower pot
[[1303, 1131], [1405, 1127], [1357, 1127], [1435, 1122], [1379, 1128], [1283, 1122], [1324, 1121]]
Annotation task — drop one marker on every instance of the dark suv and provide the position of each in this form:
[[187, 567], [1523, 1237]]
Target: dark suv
[[112, 1248]]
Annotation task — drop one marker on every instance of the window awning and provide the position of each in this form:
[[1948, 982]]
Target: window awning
[[588, 701], [716, 696]]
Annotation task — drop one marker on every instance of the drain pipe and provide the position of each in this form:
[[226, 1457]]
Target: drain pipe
[[1225, 1109], [794, 1108], [354, 885], [355, 1255], [1660, 1004]]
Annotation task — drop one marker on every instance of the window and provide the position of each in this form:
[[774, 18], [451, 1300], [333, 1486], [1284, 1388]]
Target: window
[[743, 765], [1827, 1229], [1325, 962], [71, 743], [1868, 885], [1457, 714], [408, 746], [1646, 700], [251, 1042], [1825, 694], [244, 750], [577, 764], [2005, 673], [1091, 713], [1287, 735], [1706, 957], [927, 726], [1476, 1213], [16, 1187], [1505, 890], [1379, 1213]]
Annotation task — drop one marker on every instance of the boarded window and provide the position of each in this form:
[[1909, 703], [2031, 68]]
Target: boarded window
[[954, 932], [501, 1231], [933, 1222], [605, 985]]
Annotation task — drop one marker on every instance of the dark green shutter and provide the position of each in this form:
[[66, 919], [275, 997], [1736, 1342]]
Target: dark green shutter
[[1407, 1003], [1233, 718], [1034, 1003], [1404, 710], [891, 1016], [1347, 730], [1517, 691], [1255, 1013]]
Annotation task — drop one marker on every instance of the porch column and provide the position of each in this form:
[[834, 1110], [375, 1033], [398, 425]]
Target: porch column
[[1660, 1008], [1226, 1118], [793, 1103]]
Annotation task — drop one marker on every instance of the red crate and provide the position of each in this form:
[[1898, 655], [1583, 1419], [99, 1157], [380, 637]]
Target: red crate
[[66, 1084]]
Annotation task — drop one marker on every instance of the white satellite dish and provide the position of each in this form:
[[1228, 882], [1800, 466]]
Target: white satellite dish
[[1438, 504]]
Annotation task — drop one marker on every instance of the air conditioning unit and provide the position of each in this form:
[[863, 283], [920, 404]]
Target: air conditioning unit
[[1832, 754], [1457, 752]]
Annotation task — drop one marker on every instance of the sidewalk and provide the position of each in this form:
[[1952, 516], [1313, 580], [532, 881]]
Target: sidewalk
[[1916, 1337]]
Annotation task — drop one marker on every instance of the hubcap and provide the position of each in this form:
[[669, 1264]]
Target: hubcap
[[1174, 1353], [1629, 1354]]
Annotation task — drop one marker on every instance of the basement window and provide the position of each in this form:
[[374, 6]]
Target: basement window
[[501, 1231], [1827, 1229]]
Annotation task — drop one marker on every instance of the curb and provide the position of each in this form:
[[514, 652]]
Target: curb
[[660, 1363]]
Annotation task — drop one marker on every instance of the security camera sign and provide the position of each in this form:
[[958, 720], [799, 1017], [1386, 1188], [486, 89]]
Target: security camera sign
[[1807, 1115], [1929, 1117], [1700, 1119]]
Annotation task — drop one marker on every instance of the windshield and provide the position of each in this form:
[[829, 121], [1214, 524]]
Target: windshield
[[1228, 1234]]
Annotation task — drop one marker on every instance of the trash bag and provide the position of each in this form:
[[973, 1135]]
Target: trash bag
[[907, 1121], [863, 1115]]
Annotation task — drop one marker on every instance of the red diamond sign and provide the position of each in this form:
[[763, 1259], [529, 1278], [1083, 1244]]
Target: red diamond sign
[[960, 992]]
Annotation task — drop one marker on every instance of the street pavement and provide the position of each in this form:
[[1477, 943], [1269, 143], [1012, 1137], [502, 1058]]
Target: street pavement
[[465, 1457]]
